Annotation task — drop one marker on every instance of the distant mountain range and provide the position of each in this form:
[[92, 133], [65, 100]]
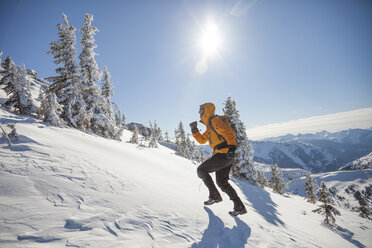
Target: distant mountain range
[[319, 152]]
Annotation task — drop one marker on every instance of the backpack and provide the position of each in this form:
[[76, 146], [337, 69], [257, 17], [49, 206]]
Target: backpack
[[224, 120]]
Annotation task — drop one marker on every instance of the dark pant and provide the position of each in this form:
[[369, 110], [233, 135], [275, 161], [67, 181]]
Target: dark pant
[[221, 164]]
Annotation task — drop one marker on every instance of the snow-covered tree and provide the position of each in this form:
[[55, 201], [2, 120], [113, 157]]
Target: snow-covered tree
[[88, 65], [326, 208], [134, 138], [102, 122], [167, 137], [145, 133], [161, 138], [276, 182], [191, 149], [310, 186], [261, 179], [50, 109], [16, 84], [363, 208], [243, 165], [182, 145], [119, 118], [154, 136], [107, 92], [67, 85]]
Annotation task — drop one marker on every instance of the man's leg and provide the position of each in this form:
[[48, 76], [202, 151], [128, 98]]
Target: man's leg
[[222, 178], [203, 172]]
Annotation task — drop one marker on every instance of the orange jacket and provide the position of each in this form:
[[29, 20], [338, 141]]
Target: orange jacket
[[224, 131]]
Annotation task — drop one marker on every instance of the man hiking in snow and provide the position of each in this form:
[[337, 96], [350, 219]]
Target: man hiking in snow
[[222, 139]]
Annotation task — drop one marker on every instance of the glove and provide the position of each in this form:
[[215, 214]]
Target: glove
[[194, 127], [231, 151]]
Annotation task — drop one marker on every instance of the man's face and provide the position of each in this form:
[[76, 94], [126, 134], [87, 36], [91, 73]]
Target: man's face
[[201, 111]]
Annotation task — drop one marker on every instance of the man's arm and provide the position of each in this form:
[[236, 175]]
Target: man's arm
[[201, 138]]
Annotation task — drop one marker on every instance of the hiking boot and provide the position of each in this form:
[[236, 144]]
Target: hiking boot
[[238, 211], [211, 201]]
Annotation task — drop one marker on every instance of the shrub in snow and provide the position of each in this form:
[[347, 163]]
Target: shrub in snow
[[243, 165], [310, 186], [276, 182], [13, 132], [326, 208], [11, 135]]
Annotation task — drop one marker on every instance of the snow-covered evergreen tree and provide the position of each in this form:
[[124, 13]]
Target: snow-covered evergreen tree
[[145, 133], [50, 109], [102, 122], [191, 152], [326, 208], [88, 65], [16, 84], [67, 85], [310, 186], [107, 92], [119, 118], [363, 208], [134, 138], [161, 138], [243, 165], [154, 136], [276, 182], [182, 145], [167, 137], [261, 179]]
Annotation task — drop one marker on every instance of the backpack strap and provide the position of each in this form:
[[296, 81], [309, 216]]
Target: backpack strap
[[220, 137]]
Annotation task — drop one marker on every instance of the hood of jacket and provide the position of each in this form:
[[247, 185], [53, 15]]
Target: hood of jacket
[[209, 110]]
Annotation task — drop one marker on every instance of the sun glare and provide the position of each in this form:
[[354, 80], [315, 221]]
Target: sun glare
[[210, 40]]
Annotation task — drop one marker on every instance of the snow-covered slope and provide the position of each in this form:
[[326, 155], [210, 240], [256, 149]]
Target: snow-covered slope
[[362, 163], [61, 187], [342, 185]]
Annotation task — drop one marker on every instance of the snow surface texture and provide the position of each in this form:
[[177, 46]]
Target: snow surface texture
[[61, 187]]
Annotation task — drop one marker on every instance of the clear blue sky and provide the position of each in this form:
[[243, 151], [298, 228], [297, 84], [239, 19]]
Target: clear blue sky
[[279, 60]]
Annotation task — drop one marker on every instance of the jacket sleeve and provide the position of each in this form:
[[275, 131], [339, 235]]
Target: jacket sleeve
[[201, 138], [225, 130]]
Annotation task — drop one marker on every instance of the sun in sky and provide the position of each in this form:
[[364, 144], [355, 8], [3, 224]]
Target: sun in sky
[[210, 40], [209, 43]]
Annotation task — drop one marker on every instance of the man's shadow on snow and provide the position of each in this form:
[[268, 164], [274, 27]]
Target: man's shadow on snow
[[217, 235], [261, 201]]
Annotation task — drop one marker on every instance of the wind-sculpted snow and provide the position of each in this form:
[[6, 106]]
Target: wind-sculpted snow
[[60, 187]]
